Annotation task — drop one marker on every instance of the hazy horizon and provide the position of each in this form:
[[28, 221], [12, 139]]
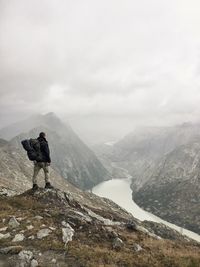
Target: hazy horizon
[[104, 66], [96, 135]]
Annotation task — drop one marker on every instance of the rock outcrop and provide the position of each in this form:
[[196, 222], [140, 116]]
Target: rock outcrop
[[83, 230]]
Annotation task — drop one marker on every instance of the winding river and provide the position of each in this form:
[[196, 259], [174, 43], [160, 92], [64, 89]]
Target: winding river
[[119, 191]]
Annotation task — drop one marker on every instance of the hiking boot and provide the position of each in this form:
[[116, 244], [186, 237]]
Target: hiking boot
[[35, 187], [48, 186]]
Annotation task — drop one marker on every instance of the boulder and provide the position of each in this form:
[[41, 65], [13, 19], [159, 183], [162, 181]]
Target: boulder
[[4, 236], [3, 229], [34, 263], [131, 226], [29, 227], [137, 247], [43, 233], [67, 233], [13, 223], [117, 243], [18, 238], [25, 257], [11, 250]]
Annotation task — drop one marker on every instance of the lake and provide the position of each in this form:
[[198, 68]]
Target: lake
[[119, 191]]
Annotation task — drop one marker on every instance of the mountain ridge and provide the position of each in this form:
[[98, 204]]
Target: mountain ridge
[[74, 160], [159, 161]]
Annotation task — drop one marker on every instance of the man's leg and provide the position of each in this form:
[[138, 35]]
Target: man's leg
[[46, 173], [36, 170]]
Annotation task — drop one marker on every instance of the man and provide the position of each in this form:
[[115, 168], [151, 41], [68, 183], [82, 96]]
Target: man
[[44, 163]]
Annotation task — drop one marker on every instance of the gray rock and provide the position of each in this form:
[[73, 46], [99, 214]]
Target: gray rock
[[52, 228], [18, 238], [38, 217], [131, 226], [100, 218], [142, 229], [11, 250], [7, 192], [19, 219], [154, 236], [43, 233], [3, 229], [53, 261], [111, 232], [25, 257], [137, 247], [4, 236], [83, 216], [34, 263], [29, 227], [67, 233], [13, 223], [118, 243], [32, 237], [64, 223]]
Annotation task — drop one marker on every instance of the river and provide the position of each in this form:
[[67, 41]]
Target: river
[[119, 191]]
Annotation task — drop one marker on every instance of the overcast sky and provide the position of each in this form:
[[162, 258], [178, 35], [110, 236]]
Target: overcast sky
[[131, 61]]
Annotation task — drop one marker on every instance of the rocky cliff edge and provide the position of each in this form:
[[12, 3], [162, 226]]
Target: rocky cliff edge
[[56, 228]]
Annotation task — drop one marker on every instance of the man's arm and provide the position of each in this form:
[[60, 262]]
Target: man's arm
[[47, 152]]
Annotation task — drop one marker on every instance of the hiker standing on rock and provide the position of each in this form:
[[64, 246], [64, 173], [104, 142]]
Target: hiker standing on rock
[[43, 162]]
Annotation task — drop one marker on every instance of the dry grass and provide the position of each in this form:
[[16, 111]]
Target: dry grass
[[25, 203], [92, 246]]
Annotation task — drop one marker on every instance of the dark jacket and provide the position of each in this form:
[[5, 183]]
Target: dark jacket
[[44, 147]]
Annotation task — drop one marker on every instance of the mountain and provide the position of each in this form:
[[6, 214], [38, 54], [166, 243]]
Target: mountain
[[172, 192], [23, 126], [71, 158], [66, 226], [16, 170], [72, 228], [164, 165], [140, 151]]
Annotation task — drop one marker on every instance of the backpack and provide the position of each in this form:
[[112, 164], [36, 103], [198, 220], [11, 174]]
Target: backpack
[[32, 147]]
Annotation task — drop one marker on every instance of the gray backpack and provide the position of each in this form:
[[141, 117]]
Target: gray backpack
[[32, 147]]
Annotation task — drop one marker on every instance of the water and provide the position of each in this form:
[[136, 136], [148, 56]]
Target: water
[[119, 191]]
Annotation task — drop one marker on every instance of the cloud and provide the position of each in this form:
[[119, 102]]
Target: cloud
[[138, 59]]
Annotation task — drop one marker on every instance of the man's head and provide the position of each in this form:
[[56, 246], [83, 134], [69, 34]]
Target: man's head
[[42, 134]]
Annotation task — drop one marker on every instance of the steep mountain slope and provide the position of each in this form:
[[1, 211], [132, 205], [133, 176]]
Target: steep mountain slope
[[69, 227], [16, 170], [164, 164], [16, 173], [172, 192], [140, 151], [70, 156]]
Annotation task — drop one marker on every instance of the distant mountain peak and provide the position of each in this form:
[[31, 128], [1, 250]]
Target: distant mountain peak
[[50, 114]]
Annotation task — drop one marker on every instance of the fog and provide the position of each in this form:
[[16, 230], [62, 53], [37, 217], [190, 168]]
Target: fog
[[105, 66]]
